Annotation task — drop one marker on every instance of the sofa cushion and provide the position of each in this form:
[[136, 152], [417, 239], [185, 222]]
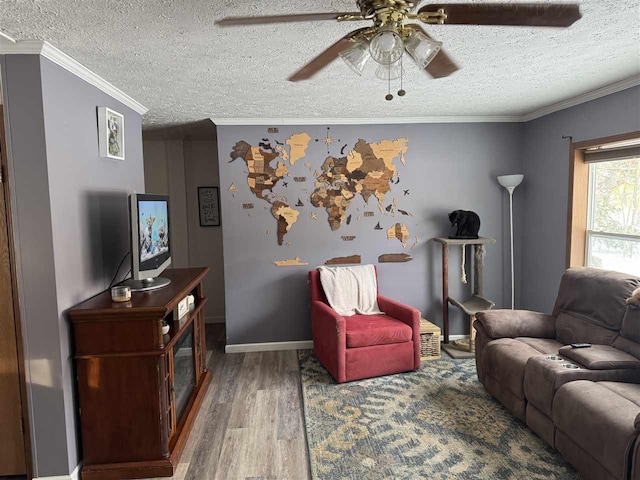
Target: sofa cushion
[[542, 345], [632, 348], [631, 324], [595, 295], [573, 329], [600, 357], [369, 330], [599, 421], [630, 391]]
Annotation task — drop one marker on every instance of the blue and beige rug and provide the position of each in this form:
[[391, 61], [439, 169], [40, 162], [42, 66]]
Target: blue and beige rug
[[437, 423]]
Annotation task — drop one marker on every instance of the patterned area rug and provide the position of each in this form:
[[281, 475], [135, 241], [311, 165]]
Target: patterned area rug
[[436, 423]]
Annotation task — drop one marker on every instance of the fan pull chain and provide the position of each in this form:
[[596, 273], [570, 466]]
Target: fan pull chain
[[389, 97], [401, 92]]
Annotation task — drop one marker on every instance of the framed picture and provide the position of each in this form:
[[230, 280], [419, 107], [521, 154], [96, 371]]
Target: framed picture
[[110, 133], [209, 206]]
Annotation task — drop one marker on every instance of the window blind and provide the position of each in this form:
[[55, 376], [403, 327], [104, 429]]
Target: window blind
[[612, 154]]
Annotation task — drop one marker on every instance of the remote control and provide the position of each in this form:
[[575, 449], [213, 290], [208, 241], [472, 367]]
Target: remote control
[[580, 345]]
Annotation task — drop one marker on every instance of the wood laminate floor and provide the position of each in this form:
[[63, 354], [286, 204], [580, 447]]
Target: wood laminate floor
[[250, 425]]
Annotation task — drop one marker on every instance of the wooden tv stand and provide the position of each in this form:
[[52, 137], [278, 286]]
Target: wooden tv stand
[[139, 391]]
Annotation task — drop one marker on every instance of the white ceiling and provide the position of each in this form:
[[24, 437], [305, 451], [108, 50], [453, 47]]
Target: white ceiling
[[171, 57]]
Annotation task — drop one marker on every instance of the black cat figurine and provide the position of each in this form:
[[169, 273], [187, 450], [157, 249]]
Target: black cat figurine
[[467, 224]]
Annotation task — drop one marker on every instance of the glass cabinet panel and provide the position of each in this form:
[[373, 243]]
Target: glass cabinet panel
[[184, 370]]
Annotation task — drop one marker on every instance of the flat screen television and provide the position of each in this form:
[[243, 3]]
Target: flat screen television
[[150, 241]]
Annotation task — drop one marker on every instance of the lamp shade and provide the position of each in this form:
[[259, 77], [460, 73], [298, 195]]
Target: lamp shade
[[386, 47], [357, 56], [389, 72], [510, 181], [422, 48]]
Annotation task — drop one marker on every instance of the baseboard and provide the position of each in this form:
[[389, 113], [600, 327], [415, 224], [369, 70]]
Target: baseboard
[[75, 475], [269, 347], [214, 319], [298, 345]]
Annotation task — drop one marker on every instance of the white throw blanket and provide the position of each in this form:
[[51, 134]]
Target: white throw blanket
[[351, 290]]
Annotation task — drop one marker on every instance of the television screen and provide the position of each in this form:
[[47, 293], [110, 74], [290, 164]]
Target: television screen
[[154, 228]]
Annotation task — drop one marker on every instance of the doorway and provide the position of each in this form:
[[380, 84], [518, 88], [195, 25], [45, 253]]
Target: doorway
[[14, 441]]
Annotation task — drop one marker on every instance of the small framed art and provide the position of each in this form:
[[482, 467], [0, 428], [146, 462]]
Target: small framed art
[[209, 206], [110, 133]]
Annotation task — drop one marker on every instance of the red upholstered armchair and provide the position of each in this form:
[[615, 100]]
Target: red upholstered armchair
[[364, 346]]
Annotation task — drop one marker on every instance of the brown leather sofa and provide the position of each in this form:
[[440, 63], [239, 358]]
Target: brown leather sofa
[[584, 402]]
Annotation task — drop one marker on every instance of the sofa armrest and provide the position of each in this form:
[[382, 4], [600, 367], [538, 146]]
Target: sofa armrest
[[409, 315], [329, 338], [517, 323]]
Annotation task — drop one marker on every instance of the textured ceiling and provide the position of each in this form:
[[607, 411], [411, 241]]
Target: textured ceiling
[[171, 57]]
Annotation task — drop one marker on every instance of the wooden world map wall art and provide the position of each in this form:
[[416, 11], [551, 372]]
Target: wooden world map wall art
[[365, 169]]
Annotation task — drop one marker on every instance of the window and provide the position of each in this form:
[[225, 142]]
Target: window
[[604, 209], [613, 226]]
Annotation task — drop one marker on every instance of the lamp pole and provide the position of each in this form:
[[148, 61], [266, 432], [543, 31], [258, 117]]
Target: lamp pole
[[513, 296], [510, 182]]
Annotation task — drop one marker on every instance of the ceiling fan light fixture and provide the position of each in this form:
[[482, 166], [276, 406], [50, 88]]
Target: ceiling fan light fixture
[[422, 48], [386, 47], [390, 72], [356, 56]]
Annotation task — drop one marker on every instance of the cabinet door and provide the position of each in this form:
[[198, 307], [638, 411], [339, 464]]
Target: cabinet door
[[197, 347], [201, 344], [166, 416]]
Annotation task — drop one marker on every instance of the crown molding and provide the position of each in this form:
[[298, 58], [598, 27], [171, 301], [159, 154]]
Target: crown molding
[[368, 121], [585, 97], [48, 51]]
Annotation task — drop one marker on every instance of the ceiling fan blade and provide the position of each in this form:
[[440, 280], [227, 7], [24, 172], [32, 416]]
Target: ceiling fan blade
[[514, 14], [442, 65], [325, 58], [305, 17]]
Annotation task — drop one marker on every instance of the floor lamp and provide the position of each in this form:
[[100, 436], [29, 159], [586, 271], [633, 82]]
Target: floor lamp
[[510, 182]]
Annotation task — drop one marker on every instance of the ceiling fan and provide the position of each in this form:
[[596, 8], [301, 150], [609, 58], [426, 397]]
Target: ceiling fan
[[390, 37]]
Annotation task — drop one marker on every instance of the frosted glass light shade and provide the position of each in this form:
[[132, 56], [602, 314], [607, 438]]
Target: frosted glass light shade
[[386, 47], [422, 48], [357, 56], [510, 181], [389, 72]]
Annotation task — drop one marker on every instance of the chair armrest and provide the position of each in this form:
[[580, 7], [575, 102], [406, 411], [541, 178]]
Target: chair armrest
[[326, 316], [517, 323], [410, 316], [637, 423], [404, 313], [329, 338]]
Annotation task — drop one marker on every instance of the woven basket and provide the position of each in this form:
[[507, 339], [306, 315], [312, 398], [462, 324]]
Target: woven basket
[[429, 341]]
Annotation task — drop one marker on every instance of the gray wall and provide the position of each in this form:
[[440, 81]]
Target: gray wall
[[71, 231], [177, 166], [546, 185], [448, 167]]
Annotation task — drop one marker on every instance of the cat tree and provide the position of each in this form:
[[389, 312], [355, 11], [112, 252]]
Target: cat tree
[[476, 302]]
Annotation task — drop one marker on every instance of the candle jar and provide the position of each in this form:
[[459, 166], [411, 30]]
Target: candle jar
[[121, 293]]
